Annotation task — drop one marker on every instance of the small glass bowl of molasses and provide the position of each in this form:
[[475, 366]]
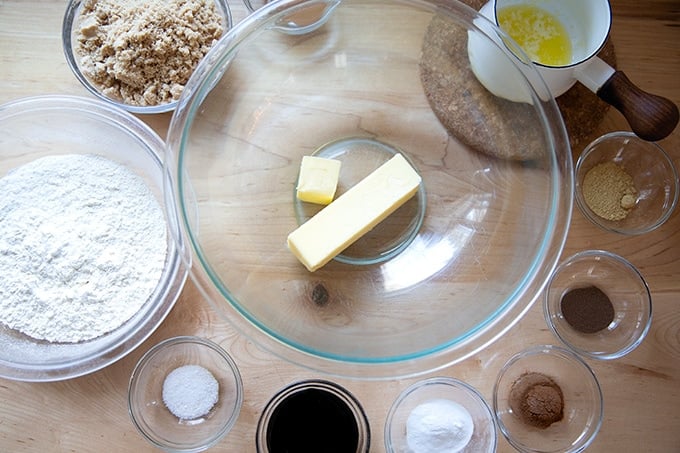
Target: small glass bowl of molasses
[[547, 400], [313, 415], [598, 304]]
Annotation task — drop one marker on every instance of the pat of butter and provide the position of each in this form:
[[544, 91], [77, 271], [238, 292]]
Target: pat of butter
[[318, 179], [354, 213]]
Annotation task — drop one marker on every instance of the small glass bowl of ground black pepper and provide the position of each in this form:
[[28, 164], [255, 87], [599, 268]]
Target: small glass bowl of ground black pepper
[[547, 400], [185, 394], [625, 184], [313, 416], [139, 54], [598, 304], [440, 414]]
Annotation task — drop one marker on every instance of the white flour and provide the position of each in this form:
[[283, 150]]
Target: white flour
[[82, 247]]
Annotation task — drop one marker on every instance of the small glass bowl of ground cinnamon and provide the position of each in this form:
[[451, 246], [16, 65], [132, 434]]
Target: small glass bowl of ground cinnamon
[[625, 184], [598, 304], [547, 399]]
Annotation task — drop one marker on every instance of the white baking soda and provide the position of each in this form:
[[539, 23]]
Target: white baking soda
[[190, 391], [440, 426]]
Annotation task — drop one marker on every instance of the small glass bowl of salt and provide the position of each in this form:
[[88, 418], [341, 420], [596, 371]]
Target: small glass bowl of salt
[[440, 414], [185, 394]]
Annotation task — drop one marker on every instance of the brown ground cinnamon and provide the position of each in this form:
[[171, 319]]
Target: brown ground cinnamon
[[537, 400]]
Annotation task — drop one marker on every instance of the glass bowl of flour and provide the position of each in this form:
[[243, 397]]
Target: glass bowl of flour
[[89, 268]]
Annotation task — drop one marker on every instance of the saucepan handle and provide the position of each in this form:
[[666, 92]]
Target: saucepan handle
[[651, 117]]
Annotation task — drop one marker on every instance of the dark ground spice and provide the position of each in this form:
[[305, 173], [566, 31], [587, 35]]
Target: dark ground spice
[[537, 400], [587, 309]]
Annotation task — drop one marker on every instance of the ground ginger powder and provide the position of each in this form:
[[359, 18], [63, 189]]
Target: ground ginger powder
[[609, 191], [142, 52]]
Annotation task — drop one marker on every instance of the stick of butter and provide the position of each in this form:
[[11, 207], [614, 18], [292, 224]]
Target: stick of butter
[[318, 179], [354, 213]]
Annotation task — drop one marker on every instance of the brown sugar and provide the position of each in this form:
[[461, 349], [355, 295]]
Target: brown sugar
[[609, 191], [537, 400], [142, 52]]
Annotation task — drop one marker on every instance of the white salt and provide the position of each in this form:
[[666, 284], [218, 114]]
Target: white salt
[[190, 391]]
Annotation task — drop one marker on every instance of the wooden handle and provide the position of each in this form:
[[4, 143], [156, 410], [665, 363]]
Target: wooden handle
[[651, 117]]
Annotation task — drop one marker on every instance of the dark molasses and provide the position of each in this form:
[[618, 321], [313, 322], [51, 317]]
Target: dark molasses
[[312, 420]]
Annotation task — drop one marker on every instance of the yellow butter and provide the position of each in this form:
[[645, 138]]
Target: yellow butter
[[318, 179], [540, 34], [354, 213]]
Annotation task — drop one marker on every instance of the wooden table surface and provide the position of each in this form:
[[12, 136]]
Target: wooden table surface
[[641, 391]]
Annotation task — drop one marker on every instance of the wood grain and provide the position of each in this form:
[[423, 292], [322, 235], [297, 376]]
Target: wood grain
[[641, 391]]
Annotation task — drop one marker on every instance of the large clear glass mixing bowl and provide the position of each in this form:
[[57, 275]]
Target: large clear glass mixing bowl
[[442, 277]]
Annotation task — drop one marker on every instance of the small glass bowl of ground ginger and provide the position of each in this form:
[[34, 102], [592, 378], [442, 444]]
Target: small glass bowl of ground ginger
[[547, 399], [598, 304], [139, 54], [625, 184], [185, 394]]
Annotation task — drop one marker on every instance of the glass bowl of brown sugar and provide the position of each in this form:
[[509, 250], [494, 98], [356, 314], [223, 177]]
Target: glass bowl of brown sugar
[[625, 184], [139, 54], [598, 304], [547, 400]]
